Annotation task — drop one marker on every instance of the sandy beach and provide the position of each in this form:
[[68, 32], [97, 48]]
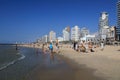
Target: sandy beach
[[45, 66], [106, 63]]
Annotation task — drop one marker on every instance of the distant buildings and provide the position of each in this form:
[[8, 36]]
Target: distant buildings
[[84, 32], [111, 36], [45, 39], [106, 32], [52, 36], [75, 33], [68, 29], [60, 39], [66, 34], [118, 21], [89, 38]]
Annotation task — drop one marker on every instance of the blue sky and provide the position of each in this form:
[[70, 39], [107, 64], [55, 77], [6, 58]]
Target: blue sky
[[27, 20]]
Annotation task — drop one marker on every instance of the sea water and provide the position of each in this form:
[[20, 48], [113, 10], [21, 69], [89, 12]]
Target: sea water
[[8, 56]]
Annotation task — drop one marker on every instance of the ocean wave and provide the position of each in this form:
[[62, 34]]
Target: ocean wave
[[12, 62]]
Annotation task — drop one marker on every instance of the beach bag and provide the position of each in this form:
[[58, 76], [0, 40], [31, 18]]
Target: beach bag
[[91, 50]]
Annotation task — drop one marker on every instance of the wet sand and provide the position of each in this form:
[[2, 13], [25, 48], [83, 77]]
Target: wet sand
[[64, 69]]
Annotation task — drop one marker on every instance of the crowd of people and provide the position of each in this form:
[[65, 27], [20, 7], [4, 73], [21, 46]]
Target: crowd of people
[[81, 46], [87, 46], [51, 47]]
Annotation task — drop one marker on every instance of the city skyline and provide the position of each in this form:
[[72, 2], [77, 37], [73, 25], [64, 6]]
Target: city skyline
[[27, 20]]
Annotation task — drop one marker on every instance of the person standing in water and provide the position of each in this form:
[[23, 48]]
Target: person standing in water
[[43, 48], [57, 47], [16, 47], [51, 48]]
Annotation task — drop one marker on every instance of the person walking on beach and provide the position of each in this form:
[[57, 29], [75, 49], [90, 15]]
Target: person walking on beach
[[74, 45], [43, 48], [57, 46], [102, 46], [16, 47]]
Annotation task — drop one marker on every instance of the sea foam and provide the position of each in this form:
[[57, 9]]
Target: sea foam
[[12, 62]]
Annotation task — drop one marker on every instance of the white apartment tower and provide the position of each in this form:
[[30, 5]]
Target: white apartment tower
[[44, 39], [103, 25], [75, 33], [52, 36], [66, 34]]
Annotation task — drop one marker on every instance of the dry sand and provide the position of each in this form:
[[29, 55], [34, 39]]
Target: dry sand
[[106, 63]]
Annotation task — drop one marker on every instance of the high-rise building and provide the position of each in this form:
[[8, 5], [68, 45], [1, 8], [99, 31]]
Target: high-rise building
[[103, 25], [52, 36], [118, 21], [75, 33], [44, 39], [84, 32], [68, 29], [103, 21], [66, 34]]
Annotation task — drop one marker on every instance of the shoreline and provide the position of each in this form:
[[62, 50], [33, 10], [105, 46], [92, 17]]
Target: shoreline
[[11, 62], [46, 67], [105, 63], [66, 69]]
